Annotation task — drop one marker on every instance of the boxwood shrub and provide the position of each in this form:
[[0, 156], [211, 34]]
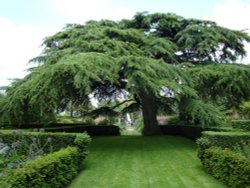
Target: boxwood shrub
[[95, 130], [52, 170], [230, 140], [92, 130], [230, 167], [191, 132], [58, 140], [241, 124]]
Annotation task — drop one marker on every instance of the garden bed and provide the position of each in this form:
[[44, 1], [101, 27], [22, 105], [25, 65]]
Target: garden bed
[[59, 158]]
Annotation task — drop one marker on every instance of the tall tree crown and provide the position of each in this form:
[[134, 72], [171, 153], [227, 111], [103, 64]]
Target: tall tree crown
[[145, 55]]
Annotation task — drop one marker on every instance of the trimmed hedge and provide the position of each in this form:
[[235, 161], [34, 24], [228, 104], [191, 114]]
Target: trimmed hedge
[[53, 170], [185, 131], [241, 124], [96, 130], [40, 125], [230, 167], [221, 139], [192, 132], [58, 140]]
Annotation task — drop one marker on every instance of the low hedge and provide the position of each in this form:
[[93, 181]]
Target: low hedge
[[41, 125], [192, 132], [58, 140], [96, 130], [53, 170], [230, 140], [230, 167], [185, 131], [241, 124]]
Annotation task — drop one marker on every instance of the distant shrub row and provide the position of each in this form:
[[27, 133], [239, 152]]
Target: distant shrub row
[[98, 130], [92, 130], [56, 169], [40, 125], [192, 132], [226, 156], [241, 124]]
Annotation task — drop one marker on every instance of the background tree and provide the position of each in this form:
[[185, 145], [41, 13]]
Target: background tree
[[145, 57]]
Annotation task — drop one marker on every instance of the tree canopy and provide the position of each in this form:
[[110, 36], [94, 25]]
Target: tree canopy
[[155, 59]]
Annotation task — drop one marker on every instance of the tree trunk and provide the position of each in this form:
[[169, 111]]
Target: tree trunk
[[149, 112]]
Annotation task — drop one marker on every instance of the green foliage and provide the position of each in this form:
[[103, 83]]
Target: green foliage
[[82, 141], [199, 113], [108, 120], [58, 140], [66, 121], [23, 149], [191, 132], [1, 96], [245, 109], [175, 121], [53, 170], [232, 168], [241, 124], [145, 55], [139, 124], [231, 140], [194, 132], [243, 148], [224, 84], [95, 130], [56, 169]]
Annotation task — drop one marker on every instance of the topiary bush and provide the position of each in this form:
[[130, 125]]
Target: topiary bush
[[241, 124], [230, 167]]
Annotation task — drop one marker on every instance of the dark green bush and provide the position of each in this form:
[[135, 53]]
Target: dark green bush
[[241, 124], [58, 140], [232, 168], [98, 130], [175, 120], [53, 170], [229, 140], [48, 125], [192, 132]]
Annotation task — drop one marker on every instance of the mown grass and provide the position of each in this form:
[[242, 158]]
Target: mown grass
[[143, 162]]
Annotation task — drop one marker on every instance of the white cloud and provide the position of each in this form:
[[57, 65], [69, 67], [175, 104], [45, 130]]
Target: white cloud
[[21, 43], [18, 45], [79, 11], [233, 14]]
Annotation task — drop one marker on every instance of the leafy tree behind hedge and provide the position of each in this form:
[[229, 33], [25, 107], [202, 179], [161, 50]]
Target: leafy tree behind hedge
[[156, 59]]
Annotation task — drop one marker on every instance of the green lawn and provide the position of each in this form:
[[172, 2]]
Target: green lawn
[[143, 162]]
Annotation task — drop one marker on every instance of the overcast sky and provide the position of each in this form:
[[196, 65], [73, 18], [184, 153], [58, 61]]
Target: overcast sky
[[25, 23]]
